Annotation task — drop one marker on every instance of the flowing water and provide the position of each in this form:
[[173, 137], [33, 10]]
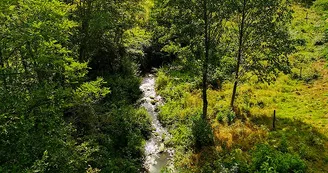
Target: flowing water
[[157, 154]]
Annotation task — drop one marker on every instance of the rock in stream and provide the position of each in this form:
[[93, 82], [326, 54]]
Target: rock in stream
[[157, 155]]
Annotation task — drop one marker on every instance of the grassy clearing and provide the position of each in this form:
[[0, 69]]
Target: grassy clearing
[[300, 99], [301, 111]]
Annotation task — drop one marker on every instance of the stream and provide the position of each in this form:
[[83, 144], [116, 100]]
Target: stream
[[157, 155]]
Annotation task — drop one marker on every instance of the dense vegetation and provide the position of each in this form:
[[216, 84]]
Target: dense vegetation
[[70, 72], [65, 67]]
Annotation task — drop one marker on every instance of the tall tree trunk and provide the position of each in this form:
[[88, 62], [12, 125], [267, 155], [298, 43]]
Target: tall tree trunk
[[3, 74], [84, 31], [240, 51], [205, 63]]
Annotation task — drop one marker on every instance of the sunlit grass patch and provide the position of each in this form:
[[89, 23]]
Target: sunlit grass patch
[[301, 110], [239, 135]]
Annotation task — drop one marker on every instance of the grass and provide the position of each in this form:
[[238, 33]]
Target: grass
[[291, 98], [301, 103], [301, 111]]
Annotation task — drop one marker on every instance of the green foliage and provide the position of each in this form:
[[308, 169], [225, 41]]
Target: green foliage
[[231, 116], [220, 117], [161, 80], [226, 114], [321, 5], [283, 147], [305, 3], [91, 92], [268, 42], [182, 137], [267, 159], [123, 86], [40, 81], [122, 138], [69, 83], [110, 35], [137, 40], [202, 133], [183, 37], [53, 118]]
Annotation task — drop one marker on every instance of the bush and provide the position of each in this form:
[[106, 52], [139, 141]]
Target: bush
[[321, 5], [122, 134], [182, 136], [314, 75], [228, 113], [216, 79], [124, 89], [267, 159], [202, 133], [220, 117], [162, 80], [231, 116], [283, 146]]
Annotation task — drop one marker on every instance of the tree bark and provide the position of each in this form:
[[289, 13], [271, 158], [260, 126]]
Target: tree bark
[[85, 10], [82, 51], [240, 51], [3, 75], [205, 63], [274, 120]]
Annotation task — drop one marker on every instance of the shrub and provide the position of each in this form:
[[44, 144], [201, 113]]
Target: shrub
[[162, 80], [283, 146], [321, 5], [314, 75], [231, 116], [202, 133], [220, 117], [182, 136], [267, 159], [216, 79], [228, 114], [121, 86]]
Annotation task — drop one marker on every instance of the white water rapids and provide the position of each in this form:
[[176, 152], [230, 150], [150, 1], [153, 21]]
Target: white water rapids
[[157, 155]]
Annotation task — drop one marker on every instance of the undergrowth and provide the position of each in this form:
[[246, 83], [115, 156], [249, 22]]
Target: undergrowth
[[243, 138]]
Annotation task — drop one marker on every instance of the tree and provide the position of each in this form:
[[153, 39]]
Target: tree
[[206, 58], [102, 28], [40, 80], [191, 30], [263, 39], [56, 116]]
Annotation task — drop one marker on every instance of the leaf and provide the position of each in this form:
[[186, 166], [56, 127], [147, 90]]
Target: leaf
[[12, 7]]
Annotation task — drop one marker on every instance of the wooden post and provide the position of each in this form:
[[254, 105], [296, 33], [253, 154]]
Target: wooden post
[[274, 120], [307, 17]]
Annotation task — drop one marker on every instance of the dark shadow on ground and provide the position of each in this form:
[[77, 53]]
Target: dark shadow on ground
[[302, 138]]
